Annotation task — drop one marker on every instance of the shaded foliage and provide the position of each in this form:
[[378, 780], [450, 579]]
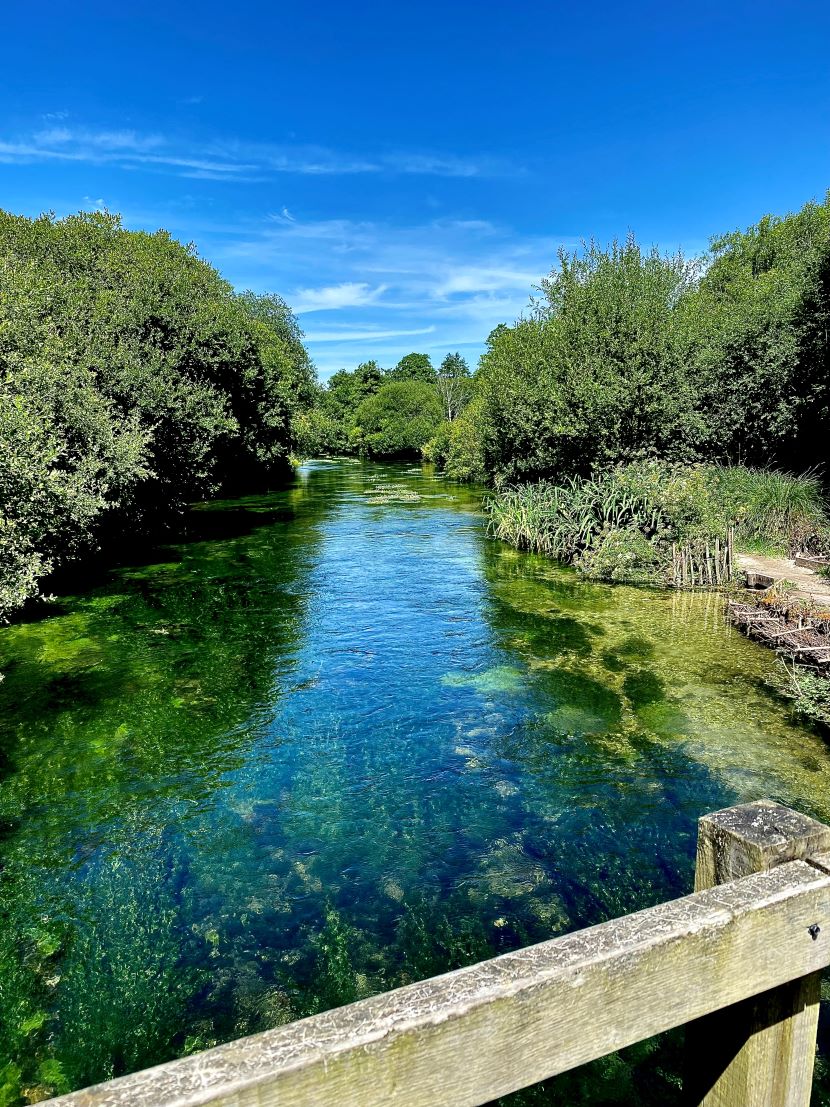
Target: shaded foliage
[[399, 419], [132, 380]]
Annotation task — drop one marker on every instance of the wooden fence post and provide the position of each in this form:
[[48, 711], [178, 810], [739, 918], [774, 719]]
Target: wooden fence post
[[760, 1052]]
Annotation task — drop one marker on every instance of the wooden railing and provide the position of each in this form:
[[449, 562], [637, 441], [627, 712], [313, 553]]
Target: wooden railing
[[739, 960]]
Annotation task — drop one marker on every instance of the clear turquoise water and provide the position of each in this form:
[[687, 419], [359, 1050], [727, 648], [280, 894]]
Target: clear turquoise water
[[335, 742]]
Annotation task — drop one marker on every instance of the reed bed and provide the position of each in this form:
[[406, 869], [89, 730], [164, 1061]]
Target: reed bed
[[671, 525]]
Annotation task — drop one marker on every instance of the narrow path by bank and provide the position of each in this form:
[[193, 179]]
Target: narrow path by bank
[[809, 585]]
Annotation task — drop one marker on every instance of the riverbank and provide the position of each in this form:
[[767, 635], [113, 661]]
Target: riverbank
[[677, 527], [806, 584], [666, 525]]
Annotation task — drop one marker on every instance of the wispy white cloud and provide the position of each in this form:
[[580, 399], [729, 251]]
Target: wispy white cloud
[[434, 286], [348, 294], [226, 159], [120, 142], [52, 137], [364, 336], [483, 279], [123, 148]]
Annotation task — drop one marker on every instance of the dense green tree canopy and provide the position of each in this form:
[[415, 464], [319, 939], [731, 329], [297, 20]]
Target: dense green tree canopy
[[132, 380], [758, 329], [596, 374], [399, 419], [413, 367], [631, 354]]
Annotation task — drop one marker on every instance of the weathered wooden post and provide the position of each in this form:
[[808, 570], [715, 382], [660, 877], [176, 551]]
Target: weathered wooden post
[[760, 1052]]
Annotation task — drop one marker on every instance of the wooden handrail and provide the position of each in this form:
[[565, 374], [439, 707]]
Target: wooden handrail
[[472, 1035]]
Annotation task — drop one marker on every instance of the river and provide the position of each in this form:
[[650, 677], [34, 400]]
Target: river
[[337, 740]]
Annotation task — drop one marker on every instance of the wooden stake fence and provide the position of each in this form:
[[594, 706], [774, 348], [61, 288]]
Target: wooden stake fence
[[704, 564]]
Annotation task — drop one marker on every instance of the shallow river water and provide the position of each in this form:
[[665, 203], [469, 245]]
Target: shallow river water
[[336, 741]]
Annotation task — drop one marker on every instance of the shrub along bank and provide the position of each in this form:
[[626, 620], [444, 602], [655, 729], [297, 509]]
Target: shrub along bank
[[630, 522], [132, 380]]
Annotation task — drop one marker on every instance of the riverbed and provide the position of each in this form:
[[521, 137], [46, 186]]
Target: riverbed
[[337, 740]]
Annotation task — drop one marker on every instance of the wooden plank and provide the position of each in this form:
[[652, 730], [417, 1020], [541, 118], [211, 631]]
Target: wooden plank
[[759, 1052], [470, 1036]]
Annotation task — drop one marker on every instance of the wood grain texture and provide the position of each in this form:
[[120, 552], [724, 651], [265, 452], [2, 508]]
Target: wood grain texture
[[761, 1052], [753, 838], [467, 1037]]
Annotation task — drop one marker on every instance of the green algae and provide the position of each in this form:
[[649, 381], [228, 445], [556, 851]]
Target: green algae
[[499, 679], [322, 747]]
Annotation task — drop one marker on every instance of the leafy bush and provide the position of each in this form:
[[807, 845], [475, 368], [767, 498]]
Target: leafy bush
[[624, 523], [622, 555], [399, 419], [132, 380], [596, 374]]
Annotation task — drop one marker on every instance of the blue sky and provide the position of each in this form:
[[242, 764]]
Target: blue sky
[[404, 173]]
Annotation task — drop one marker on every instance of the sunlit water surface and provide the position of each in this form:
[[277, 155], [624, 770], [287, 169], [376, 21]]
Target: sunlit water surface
[[336, 742]]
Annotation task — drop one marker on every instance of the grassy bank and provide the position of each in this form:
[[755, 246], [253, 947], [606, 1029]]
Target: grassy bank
[[637, 522]]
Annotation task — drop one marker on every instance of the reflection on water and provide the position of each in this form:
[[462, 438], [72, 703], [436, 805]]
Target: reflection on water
[[338, 741]]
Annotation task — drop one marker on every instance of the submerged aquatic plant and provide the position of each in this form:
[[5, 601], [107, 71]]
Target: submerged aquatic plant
[[808, 690]]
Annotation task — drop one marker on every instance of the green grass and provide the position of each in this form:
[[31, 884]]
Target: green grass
[[623, 524], [774, 510]]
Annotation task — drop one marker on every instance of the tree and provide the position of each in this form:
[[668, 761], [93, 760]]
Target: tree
[[399, 419], [133, 380], [758, 329], [596, 374], [454, 385], [413, 367], [368, 378]]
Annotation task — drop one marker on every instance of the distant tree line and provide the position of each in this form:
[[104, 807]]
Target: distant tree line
[[388, 413], [133, 379]]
